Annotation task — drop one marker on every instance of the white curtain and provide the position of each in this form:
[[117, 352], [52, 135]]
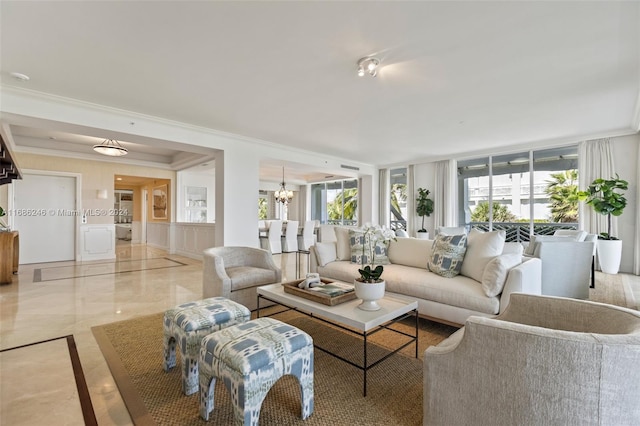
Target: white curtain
[[384, 197], [411, 201], [636, 243], [445, 194], [595, 161]]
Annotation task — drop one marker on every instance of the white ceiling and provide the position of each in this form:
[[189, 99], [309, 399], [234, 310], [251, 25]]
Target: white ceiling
[[456, 77]]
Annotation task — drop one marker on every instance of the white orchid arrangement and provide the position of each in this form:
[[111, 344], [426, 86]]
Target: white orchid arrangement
[[373, 234]]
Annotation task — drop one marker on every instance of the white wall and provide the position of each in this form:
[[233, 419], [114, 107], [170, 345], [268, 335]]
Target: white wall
[[236, 182]]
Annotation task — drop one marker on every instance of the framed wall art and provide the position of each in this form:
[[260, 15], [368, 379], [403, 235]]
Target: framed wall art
[[160, 201]]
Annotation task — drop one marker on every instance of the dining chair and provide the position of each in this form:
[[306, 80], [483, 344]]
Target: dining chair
[[307, 239], [290, 238], [273, 241]]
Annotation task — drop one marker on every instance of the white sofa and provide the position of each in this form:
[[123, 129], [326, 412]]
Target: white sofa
[[448, 300]]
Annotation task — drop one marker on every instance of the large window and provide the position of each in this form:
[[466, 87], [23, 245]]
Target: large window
[[531, 192], [335, 203], [398, 189]]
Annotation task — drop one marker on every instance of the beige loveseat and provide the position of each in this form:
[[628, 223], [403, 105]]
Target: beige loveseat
[[448, 300]]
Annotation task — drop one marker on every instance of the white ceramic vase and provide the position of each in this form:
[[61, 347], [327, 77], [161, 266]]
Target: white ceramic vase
[[609, 255], [370, 293], [422, 235]]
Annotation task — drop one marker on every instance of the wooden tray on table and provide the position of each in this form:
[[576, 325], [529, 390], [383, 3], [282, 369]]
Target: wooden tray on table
[[321, 296]]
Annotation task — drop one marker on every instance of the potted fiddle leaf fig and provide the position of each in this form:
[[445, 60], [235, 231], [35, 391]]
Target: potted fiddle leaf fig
[[605, 196], [424, 208]]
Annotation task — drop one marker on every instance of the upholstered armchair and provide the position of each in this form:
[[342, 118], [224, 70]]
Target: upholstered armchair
[[544, 361], [567, 264], [236, 272]]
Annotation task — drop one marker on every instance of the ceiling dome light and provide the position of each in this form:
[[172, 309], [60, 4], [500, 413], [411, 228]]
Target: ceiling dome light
[[110, 147], [370, 64]]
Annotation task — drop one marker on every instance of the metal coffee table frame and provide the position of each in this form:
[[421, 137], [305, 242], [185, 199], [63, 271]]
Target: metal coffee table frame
[[316, 310]]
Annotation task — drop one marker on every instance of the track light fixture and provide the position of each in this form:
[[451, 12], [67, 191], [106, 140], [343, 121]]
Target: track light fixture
[[368, 64]]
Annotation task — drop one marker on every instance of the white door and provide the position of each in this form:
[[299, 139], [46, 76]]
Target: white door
[[43, 214]]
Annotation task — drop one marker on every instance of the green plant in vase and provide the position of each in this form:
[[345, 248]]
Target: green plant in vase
[[371, 236], [602, 196], [424, 206]]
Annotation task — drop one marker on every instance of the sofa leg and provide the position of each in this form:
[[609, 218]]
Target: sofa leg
[[593, 272]]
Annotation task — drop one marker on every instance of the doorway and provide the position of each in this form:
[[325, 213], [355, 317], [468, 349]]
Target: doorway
[[45, 214]]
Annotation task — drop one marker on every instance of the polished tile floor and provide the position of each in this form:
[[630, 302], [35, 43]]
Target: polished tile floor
[[54, 300], [47, 302]]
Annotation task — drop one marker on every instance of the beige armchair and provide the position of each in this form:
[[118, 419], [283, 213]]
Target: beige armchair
[[544, 361], [236, 272]]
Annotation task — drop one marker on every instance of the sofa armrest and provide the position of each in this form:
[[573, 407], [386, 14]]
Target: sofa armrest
[[215, 281], [572, 315], [313, 259], [524, 278]]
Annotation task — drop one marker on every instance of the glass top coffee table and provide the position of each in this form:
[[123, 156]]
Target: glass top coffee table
[[349, 318]]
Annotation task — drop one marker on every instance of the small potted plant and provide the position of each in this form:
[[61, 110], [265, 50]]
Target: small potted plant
[[370, 286], [605, 197], [424, 208]]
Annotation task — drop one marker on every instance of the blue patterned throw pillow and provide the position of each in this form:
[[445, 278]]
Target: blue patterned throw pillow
[[358, 242], [447, 254]]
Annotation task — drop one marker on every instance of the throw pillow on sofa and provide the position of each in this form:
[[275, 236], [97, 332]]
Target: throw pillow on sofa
[[343, 245], [495, 273], [481, 248], [447, 255], [361, 250], [326, 252]]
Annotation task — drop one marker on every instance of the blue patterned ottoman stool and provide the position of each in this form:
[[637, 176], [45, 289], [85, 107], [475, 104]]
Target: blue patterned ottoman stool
[[188, 323], [249, 358]]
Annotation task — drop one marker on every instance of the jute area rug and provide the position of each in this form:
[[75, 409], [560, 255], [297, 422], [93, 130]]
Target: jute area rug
[[133, 350]]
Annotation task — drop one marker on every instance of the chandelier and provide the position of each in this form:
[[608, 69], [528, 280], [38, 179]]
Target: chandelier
[[110, 147], [283, 195]]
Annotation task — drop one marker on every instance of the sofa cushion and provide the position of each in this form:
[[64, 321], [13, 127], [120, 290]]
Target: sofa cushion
[[361, 252], [343, 245], [447, 254], [481, 248], [410, 252], [249, 276], [496, 271], [325, 252], [341, 271], [459, 291], [513, 248]]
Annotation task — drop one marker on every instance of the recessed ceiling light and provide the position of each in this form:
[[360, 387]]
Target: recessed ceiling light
[[118, 178], [20, 76]]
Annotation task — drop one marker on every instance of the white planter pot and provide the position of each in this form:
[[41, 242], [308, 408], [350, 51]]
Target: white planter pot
[[370, 293], [422, 235], [609, 255]]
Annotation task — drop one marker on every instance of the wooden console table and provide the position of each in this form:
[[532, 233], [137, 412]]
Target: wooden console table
[[9, 252]]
